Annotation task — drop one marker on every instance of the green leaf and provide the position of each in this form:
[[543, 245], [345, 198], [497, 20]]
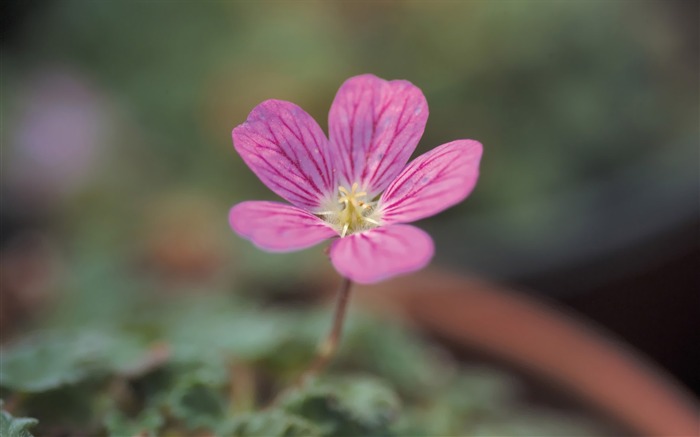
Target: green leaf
[[208, 329], [15, 427], [147, 423], [273, 423], [196, 404], [345, 406], [192, 395], [47, 361], [53, 359]]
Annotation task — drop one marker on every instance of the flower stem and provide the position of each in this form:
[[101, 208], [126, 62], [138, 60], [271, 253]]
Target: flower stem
[[327, 348]]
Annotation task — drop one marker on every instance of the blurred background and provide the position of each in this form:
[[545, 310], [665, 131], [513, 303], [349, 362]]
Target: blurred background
[[118, 169]]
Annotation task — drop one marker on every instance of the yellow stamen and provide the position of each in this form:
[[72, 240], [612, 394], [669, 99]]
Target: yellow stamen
[[352, 214]]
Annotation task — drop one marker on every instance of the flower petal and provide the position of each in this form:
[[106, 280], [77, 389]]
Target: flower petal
[[278, 227], [382, 253], [433, 182], [374, 127], [288, 151]]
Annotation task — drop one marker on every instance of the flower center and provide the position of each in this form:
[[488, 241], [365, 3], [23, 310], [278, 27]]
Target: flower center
[[352, 213]]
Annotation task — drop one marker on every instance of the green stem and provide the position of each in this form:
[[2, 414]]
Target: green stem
[[328, 347]]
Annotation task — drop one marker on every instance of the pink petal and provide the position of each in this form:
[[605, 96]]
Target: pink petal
[[374, 127], [277, 227], [288, 151], [432, 182], [382, 253]]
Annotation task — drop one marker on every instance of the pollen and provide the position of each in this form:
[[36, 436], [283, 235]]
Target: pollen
[[352, 213]]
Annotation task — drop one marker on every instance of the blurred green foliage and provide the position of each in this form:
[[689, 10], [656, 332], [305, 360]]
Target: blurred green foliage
[[212, 362]]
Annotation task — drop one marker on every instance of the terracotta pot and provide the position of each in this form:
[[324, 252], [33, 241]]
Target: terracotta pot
[[561, 348]]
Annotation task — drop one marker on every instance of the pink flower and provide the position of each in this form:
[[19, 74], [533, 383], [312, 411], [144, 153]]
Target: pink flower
[[355, 185]]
